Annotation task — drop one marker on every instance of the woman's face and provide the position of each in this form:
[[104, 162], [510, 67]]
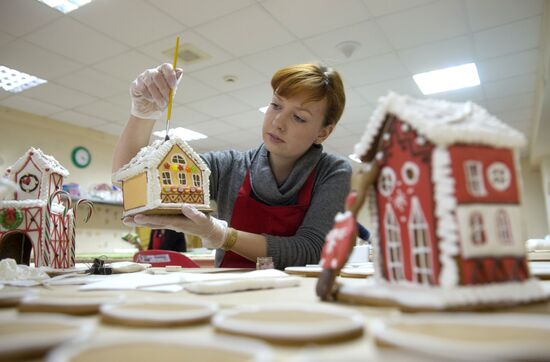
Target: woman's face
[[291, 126]]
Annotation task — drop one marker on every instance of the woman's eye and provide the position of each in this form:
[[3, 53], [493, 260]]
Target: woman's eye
[[299, 119], [275, 105]]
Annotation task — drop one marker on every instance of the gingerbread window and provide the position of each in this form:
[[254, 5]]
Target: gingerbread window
[[182, 179], [474, 178], [178, 159], [504, 227], [197, 180], [420, 240], [477, 229], [499, 176], [410, 173], [166, 178], [393, 245]]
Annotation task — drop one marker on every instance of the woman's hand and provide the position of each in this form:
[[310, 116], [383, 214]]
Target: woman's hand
[[151, 90], [212, 231]]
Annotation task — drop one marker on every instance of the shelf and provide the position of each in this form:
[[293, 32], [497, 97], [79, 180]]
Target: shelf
[[98, 201]]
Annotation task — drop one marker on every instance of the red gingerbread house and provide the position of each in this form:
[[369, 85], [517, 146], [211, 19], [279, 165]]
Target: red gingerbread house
[[38, 216], [446, 204]]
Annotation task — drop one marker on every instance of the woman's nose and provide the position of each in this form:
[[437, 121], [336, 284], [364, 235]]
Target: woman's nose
[[279, 120]]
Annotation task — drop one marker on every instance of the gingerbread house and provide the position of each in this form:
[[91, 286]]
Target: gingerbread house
[[38, 216], [446, 205], [162, 177]]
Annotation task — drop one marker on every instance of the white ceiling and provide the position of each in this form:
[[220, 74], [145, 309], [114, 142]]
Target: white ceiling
[[91, 55]]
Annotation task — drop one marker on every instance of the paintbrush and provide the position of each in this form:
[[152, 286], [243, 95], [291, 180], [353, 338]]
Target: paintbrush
[[169, 113]]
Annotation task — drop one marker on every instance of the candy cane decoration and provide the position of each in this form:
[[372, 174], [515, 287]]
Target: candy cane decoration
[[62, 195], [90, 208]]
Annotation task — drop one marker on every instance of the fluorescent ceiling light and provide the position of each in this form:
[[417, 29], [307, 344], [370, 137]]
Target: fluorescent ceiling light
[[14, 81], [263, 109], [442, 80], [354, 157], [65, 6], [183, 133]]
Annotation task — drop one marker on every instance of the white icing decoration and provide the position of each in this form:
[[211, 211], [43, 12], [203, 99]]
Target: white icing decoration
[[538, 244], [441, 122], [374, 237], [445, 204], [342, 216], [400, 200], [420, 141], [22, 203]]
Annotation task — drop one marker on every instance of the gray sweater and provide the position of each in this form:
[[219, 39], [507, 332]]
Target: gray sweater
[[332, 184]]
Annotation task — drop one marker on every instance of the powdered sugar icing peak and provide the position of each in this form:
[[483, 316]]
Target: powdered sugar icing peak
[[150, 156], [441, 122]]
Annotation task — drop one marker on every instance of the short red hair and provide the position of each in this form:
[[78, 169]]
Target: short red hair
[[316, 82]]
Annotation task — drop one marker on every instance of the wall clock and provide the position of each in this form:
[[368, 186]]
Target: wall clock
[[81, 157]]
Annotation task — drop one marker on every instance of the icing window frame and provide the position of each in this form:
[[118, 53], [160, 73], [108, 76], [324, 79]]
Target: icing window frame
[[178, 159], [182, 179], [410, 173], [166, 178], [419, 238], [477, 229], [197, 180], [475, 184], [387, 181], [394, 258], [504, 227], [499, 176]]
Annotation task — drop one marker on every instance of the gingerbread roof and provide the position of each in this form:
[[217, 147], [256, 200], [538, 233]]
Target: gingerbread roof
[[150, 157], [48, 164], [442, 122]]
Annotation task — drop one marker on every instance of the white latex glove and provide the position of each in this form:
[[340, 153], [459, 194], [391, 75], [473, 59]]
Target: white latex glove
[[212, 231], [151, 90]]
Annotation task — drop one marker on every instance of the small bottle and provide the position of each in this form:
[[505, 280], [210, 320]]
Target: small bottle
[[265, 262]]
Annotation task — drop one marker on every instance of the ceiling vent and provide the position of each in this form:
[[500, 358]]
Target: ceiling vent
[[188, 54]]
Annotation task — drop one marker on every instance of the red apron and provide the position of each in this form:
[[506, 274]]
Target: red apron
[[258, 218]]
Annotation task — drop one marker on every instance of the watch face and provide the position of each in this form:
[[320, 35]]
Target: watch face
[[81, 157]]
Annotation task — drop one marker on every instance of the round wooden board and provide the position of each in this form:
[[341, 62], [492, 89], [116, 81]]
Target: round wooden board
[[83, 303], [356, 272], [540, 269], [471, 336], [150, 313], [12, 297], [155, 348], [23, 337], [291, 324], [304, 271], [165, 210]]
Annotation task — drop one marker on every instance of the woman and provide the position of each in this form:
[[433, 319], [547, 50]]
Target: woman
[[278, 199]]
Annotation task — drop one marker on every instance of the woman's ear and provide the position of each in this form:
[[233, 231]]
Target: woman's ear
[[324, 133]]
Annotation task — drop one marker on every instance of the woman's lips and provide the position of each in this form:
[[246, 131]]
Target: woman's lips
[[274, 138]]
